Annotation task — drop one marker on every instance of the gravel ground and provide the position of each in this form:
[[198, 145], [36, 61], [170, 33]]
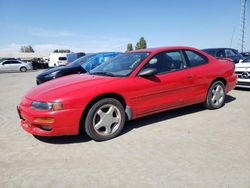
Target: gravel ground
[[188, 147]]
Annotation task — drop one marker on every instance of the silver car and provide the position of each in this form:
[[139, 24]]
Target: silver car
[[14, 65]]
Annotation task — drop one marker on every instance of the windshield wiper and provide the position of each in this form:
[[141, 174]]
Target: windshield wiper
[[103, 73]]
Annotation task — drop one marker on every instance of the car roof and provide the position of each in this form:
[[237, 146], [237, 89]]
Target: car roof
[[218, 49], [167, 48]]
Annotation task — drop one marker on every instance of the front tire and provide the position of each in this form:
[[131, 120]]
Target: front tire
[[215, 96], [105, 119]]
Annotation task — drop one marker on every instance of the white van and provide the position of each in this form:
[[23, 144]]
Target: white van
[[57, 59]]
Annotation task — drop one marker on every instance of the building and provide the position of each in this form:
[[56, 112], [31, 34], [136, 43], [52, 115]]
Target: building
[[23, 56]]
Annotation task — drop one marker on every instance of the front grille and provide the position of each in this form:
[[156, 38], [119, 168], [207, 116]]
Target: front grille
[[243, 83], [240, 74]]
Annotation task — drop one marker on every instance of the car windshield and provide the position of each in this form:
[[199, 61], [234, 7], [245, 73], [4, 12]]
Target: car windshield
[[120, 66], [247, 60], [89, 62], [81, 60]]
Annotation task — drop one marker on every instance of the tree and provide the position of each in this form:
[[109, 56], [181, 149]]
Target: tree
[[62, 51], [142, 44], [137, 46], [129, 47], [27, 49]]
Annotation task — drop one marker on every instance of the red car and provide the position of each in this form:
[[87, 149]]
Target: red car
[[131, 85]]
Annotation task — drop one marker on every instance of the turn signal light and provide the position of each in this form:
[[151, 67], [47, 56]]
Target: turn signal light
[[57, 106], [43, 120]]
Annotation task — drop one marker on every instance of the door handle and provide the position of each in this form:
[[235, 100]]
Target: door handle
[[189, 77]]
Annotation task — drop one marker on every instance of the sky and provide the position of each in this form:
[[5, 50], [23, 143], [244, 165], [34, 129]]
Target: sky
[[109, 25]]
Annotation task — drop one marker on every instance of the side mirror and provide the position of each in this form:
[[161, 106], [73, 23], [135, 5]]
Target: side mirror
[[148, 72]]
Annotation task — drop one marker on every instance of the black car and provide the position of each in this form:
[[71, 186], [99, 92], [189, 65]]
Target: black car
[[225, 53], [81, 65]]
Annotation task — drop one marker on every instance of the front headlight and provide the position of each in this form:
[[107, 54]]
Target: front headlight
[[51, 75], [47, 105]]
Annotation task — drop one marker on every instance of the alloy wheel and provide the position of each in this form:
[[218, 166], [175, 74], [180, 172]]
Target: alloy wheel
[[107, 120], [217, 95]]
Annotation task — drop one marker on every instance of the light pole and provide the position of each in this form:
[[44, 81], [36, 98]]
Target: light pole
[[243, 25]]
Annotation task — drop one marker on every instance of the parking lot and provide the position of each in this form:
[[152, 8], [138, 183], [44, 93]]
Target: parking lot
[[188, 147]]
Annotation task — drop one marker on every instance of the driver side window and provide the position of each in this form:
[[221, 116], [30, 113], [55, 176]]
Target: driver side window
[[167, 62]]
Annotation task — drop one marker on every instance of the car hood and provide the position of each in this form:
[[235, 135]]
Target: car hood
[[242, 65], [66, 86], [49, 71]]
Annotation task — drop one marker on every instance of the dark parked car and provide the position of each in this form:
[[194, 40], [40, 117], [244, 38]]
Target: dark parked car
[[81, 65], [225, 53]]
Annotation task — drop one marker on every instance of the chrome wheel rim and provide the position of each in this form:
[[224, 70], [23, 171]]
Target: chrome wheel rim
[[107, 120], [217, 95]]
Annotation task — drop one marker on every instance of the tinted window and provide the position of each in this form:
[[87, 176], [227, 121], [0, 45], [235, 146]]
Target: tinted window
[[6, 62], [15, 62], [235, 51], [62, 58], [195, 59], [230, 52], [210, 51], [166, 62], [220, 53]]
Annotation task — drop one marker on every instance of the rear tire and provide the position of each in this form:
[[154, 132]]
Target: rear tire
[[23, 69], [215, 96], [105, 119]]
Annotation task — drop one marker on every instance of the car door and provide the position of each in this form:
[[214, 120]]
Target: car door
[[15, 65], [199, 73], [167, 89]]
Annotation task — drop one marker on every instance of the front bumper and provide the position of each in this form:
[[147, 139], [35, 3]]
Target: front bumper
[[243, 83], [66, 122]]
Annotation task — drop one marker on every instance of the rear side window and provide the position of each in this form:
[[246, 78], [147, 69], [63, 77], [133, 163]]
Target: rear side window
[[195, 59], [230, 53], [62, 58], [15, 62], [221, 53]]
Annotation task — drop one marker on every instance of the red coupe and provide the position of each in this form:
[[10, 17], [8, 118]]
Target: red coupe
[[131, 85]]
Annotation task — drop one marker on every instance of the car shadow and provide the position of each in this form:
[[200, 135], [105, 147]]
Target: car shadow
[[133, 124], [83, 137], [163, 116]]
